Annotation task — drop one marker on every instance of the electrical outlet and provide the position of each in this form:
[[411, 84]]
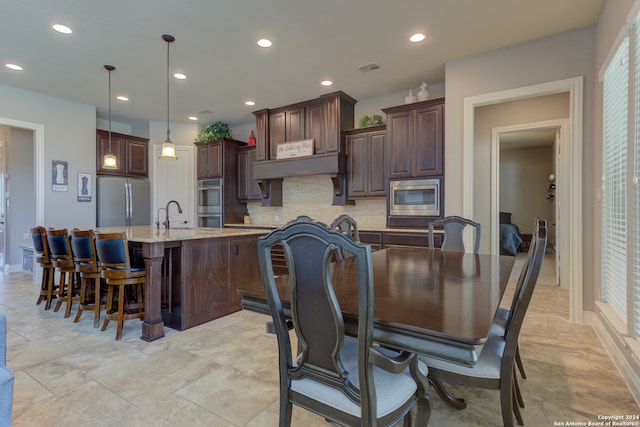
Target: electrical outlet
[[26, 235]]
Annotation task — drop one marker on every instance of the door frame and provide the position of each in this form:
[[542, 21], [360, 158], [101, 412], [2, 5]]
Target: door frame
[[572, 262], [561, 166]]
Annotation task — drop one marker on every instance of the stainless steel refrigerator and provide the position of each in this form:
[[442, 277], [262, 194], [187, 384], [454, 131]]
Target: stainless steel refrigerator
[[122, 201]]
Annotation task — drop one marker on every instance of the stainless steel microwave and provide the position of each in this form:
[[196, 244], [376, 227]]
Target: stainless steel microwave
[[416, 197]]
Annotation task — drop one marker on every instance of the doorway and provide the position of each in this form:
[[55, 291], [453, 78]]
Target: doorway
[[528, 182], [571, 262], [33, 167], [174, 180]]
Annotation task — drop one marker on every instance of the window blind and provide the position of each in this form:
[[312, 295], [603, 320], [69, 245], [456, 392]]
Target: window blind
[[635, 193], [614, 175]]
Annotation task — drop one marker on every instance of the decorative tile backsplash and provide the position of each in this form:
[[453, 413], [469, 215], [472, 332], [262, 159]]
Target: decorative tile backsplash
[[312, 196]]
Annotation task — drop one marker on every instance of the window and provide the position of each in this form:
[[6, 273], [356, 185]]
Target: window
[[620, 176], [614, 177]]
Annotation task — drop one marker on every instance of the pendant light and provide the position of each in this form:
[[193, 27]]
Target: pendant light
[[168, 148], [109, 161]]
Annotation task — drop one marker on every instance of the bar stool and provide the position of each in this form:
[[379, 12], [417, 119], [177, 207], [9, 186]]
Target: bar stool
[[62, 259], [83, 246], [120, 276], [41, 246]]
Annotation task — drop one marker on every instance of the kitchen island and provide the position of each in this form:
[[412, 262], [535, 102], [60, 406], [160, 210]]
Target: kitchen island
[[192, 274]]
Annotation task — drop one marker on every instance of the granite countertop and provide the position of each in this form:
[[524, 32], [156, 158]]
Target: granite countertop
[[151, 234], [373, 229]]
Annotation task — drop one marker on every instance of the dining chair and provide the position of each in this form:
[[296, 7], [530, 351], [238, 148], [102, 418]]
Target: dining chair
[[500, 319], [48, 288], [346, 380], [83, 246], [495, 368], [453, 229], [120, 277], [62, 260], [347, 226]]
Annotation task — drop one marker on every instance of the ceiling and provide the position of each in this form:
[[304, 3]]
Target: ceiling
[[216, 48]]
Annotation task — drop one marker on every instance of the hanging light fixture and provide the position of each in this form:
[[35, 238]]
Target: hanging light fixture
[[168, 148], [109, 161]]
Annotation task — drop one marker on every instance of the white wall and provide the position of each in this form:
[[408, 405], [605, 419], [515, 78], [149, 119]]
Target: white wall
[[69, 134], [524, 174], [562, 56], [538, 109]]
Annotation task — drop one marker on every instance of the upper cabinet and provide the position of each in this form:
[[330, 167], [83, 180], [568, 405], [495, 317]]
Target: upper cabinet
[[321, 119], [132, 153], [248, 188], [415, 146], [366, 152], [209, 160]]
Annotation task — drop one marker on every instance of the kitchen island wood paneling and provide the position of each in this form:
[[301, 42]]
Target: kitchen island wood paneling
[[192, 274]]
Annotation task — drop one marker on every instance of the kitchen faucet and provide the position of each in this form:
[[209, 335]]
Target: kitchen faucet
[[158, 217], [166, 211]]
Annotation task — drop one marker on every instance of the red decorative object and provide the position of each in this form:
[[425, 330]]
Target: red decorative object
[[252, 139]]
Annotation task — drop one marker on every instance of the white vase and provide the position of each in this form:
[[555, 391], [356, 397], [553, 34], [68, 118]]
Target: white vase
[[424, 94], [409, 99]]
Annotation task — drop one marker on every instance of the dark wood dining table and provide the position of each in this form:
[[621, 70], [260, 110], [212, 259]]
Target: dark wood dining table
[[426, 301]]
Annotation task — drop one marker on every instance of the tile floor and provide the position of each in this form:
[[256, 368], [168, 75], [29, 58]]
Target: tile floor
[[223, 373]]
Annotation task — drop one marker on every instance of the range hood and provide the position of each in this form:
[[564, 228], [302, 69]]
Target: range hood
[[331, 163], [269, 174]]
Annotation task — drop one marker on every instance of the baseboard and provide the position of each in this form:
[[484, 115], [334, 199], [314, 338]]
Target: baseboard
[[625, 355]]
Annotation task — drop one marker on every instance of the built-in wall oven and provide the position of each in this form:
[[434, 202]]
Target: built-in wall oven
[[210, 199]]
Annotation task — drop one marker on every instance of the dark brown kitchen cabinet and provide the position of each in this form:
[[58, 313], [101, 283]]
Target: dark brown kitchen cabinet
[[132, 153], [314, 126], [210, 160], [415, 145], [374, 238], [366, 152], [288, 125], [201, 278], [322, 119], [248, 188]]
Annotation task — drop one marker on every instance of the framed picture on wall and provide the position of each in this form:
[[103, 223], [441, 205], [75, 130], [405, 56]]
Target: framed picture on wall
[[84, 187], [59, 175]]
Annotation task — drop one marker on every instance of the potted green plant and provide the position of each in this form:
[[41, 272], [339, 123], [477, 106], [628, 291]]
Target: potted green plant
[[214, 131], [367, 120]]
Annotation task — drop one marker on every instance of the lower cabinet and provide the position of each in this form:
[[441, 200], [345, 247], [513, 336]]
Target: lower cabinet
[[386, 239], [201, 278]]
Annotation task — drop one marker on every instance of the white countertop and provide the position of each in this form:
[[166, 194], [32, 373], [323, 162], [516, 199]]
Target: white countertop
[[151, 234]]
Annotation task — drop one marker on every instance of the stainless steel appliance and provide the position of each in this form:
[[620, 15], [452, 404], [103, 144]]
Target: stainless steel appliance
[[210, 200], [416, 197], [122, 201]]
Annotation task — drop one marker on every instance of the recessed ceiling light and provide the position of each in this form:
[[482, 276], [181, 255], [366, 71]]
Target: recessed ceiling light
[[62, 29], [249, 103], [122, 98], [193, 118], [418, 37], [326, 83], [14, 67], [179, 76], [264, 43]]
